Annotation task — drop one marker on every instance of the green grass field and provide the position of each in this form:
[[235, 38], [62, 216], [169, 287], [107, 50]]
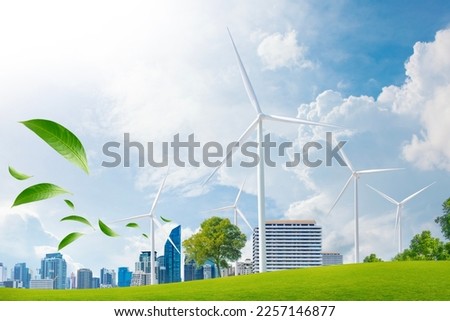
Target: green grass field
[[390, 281]]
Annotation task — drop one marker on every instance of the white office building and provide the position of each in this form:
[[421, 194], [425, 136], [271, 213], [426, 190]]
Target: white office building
[[332, 258], [290, 244], [46, 284]]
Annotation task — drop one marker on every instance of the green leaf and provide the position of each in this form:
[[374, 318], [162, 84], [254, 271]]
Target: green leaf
[[18, 175], [145, 235], [106, 230], [70, 204], [133, 225], [77, 218], [38, 192], [61, 140], [69, 239], [165, 219]]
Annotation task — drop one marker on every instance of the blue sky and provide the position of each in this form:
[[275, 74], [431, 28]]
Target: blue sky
[[379, 69]]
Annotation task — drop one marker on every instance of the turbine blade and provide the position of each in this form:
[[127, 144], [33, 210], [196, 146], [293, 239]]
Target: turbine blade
[[240, 191], [131, 218], [298, 121], [165, 233], [243, 137], [247, 84], [244, 218], [229, 207], [380, 170], [390, 199], [340, 194], [155, 201], [346, 160], [415, 194]]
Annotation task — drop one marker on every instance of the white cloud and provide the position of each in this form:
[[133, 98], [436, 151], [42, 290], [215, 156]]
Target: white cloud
[[426, 95], [277, 51]]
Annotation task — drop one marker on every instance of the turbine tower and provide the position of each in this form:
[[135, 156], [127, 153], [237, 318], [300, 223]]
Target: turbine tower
[[355, 175], [398, 215], [153, 221], [257, 124]]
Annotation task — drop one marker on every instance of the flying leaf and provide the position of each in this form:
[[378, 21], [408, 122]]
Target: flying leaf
[[18, 175], [70, 204], [133, 225], [77, 218], [69, 239], [61, 140], [106, 230], [38, 192], [165, 219], [145, 235]]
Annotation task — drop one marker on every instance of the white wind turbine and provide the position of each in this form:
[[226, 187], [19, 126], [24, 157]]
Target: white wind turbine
[[153, 221], [355, 177], [398, 215], [237, 212], [258, 124], [235, 209]]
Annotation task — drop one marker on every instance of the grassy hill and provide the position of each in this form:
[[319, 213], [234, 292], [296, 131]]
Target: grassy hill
[[390, 281]]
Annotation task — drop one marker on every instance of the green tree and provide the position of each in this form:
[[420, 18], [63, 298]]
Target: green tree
[[218, 240], [372, 258], [444, 220], [424, 247]]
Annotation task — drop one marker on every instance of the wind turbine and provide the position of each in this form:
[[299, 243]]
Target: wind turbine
[[235, 209], [398, 215], [237, 212], [258, 124], [355, 177], [153, 221]]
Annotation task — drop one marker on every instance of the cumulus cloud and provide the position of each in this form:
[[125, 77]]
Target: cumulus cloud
[[426, 95], [277, 51]]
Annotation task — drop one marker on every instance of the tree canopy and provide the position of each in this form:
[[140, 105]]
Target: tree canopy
[[444, 220], [218, 240], [425, 247], [372, 258]]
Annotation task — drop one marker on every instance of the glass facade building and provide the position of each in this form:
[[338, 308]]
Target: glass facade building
[[54, 267], [172, 259]]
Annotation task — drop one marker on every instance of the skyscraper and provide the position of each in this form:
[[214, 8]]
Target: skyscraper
[[54, 267], [3, 271], [143, 267], [290, 244], [22, 274], [172, 259], [107, 278], [124, 277], [84, 279]]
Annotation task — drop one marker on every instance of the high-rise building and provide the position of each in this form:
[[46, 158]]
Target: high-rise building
[[84, 279], [172, 259], [332, 258], [3, 272], [144, 266], [107, 278], [140, 278], [290, 244], [124, 276], [54, 267], [73, 281], [161, 268], [22, 274], [95, 282]]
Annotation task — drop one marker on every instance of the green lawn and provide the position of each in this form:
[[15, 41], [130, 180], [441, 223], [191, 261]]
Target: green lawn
[[390, 281]]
